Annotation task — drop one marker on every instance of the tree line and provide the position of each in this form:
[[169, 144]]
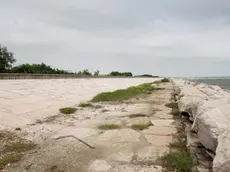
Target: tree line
[[7, 60]]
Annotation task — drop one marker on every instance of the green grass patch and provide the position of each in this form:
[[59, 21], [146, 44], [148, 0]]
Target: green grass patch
[[85, 104], [141, 126], [178, 160], [68, 110], [124, 94], [109, 126], [137, 115], [172, 105], [9, 159], [19, 147]]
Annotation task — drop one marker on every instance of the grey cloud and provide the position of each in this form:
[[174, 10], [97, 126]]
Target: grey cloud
[[179, 37]]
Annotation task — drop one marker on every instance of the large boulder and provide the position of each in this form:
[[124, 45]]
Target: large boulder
[[189, 105], [221, 161], [209, 126]]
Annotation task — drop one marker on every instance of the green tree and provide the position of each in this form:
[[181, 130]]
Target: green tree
[[6, 59]]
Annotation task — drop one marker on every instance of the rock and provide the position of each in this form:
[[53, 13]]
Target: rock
[[124, 153], [136, 168], [151, 154], [190, 105], [122, 135], [162, 122], [99, 166], [158, 140], [209, 126], [139, 120], [154, 85], [221, 161], [163, 131]]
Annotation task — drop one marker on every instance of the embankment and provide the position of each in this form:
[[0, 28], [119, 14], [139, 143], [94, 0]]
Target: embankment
[[208, 109]]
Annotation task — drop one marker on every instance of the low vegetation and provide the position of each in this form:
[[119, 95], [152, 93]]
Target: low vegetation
[[178, 160], [172, 105], [141, 126], [9, 159], [68, 110], [109, 126], [19, 147], [137, 115], [12, 148], [124, 94], [85, 104], [165, 80]]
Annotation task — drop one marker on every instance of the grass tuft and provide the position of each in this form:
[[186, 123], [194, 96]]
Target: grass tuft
[[19, 147], [172, 105], [85, 104], [68, 110], [165, 80], [124, 94], [141, 126], [178, 160], [9, 159], [108, 126], [137, 115]]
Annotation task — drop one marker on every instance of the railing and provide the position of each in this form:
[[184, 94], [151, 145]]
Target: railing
[[11, 76]]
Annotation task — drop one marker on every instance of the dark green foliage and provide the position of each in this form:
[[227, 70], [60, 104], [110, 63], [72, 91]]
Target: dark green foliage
[[37, 69], [68, 110], [116, 73], [124, 94], [6, 59]]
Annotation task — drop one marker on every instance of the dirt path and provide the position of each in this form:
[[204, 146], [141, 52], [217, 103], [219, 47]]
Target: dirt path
[[73, 143]]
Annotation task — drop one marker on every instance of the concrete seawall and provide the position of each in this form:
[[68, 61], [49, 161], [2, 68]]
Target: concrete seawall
[[12, 76], [208, 109]]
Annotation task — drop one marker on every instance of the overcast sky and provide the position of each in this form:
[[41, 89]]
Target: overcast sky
[[159, 37]]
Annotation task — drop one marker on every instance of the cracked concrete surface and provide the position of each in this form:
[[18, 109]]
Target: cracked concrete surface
[[123, 150]]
